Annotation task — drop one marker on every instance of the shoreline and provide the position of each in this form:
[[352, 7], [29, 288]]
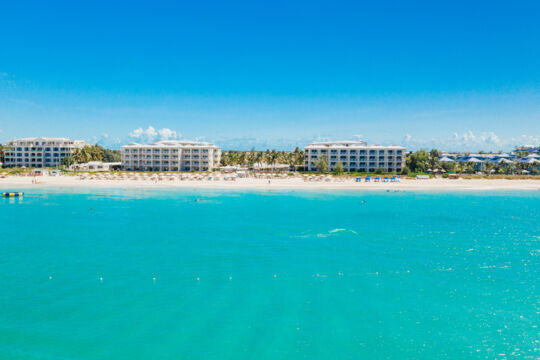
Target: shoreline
[[17, 183]]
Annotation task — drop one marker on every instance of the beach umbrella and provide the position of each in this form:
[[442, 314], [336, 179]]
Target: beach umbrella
[[524, 172], [445, 159], [474, 160]]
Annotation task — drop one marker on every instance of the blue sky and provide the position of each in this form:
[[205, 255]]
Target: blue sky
[[458, 75]]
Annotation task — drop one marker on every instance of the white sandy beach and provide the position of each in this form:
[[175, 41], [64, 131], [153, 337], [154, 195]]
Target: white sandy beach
[[15, 183]]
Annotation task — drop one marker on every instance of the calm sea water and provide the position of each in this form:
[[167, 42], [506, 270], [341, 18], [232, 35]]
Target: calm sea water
[[176, 274]]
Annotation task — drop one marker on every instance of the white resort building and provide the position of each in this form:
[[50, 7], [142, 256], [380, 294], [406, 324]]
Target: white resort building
[[171, 155], [39, 152], [356, 156]]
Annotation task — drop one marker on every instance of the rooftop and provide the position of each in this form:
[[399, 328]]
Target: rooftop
[[172, 144], [46, 139], [351, 144]]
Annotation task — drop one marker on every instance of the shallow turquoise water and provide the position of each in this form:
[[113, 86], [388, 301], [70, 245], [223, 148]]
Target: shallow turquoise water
[[281, 275]]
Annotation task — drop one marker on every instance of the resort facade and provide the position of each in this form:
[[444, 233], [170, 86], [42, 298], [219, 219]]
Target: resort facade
[[39, 152], [356, 156], [171, 155]]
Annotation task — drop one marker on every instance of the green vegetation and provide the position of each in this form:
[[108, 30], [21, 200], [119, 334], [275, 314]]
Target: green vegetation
[[338, 168], [321, 164], [423, 162], [68, 161], [110, 155], [95, 153], [271, 157]]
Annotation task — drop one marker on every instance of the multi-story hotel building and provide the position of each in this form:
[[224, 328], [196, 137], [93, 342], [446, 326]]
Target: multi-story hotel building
[[171, 155], [356, 156], [39, 152]]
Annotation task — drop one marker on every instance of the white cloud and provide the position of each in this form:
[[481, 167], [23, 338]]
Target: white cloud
[[166, 134], [527, 140], [150, 134], [469, 141]]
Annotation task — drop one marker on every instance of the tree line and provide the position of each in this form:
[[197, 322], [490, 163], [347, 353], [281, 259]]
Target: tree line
[[271, 157], [423, 161], [92, 153]]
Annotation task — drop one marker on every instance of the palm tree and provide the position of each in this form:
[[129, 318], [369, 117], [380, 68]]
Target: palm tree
[[259, 157], [273, 156], [322, 164]]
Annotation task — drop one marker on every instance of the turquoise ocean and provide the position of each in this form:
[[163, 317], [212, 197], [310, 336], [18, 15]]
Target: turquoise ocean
[[208, 274]]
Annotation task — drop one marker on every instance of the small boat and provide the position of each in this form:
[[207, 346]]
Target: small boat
[[12, 194]]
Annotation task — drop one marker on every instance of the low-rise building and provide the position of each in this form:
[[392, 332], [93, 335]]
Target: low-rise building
[[528, 148], [171, 155], [39, 152], [94, 166], [356, 156]]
